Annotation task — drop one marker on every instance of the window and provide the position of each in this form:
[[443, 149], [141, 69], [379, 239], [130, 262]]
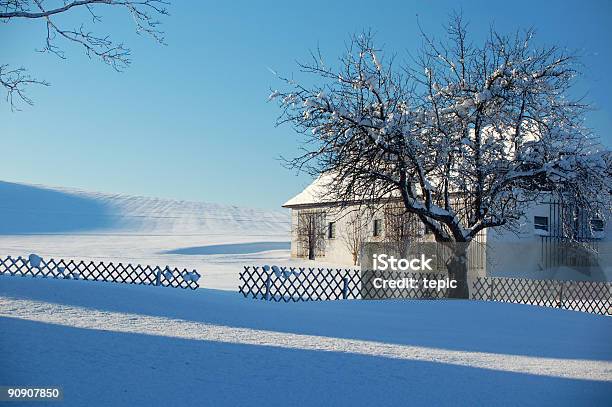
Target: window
[[597, 225], [377, 227], [331, 230], [540, 223]]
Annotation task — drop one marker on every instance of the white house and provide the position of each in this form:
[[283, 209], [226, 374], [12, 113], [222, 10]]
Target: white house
[[322, 230]]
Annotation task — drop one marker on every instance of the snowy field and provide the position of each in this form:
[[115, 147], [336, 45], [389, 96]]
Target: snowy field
[[120, 345], [217, 240]]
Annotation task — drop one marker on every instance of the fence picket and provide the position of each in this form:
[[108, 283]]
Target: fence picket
[[587, 296], [109, 272], [310, 284]]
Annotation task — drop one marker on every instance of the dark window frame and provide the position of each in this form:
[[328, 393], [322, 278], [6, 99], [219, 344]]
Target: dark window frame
[[331, 230], [597, 225], [540, 224], [377, 227]]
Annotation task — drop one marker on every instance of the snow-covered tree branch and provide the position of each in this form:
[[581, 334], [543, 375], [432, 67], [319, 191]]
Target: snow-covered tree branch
[[465, 136], [144, 13]]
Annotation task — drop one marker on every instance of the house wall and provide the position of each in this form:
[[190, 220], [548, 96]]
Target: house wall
[[336, 250], [507, 254], [294, 236], [521, 254]]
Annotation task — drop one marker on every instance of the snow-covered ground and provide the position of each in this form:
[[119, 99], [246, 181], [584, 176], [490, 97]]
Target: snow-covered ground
[[114, 344], [217, 240]]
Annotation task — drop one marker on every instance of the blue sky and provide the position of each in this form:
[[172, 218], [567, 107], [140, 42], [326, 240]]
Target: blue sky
[[191, 120]]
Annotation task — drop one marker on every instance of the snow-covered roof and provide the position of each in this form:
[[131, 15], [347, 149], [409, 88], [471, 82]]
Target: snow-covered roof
[[320, 192], [315, 193]]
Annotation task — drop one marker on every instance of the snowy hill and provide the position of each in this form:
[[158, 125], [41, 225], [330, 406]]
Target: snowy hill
[[69, 223], [34, 209]]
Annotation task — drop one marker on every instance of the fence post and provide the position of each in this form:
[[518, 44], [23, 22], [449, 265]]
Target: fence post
[[345, 288], [268, 284], [560, 305], [158, 278], [492, 288]]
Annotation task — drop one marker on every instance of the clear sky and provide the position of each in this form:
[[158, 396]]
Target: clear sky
[[191, 120]]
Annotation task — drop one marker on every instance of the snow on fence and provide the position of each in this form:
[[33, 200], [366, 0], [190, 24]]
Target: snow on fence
[[315, 284], [36, 266], [587, 296]]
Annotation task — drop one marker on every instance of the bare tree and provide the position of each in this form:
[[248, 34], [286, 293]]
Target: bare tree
[[401, 228], [466, 136], [355, 233], [311, 233], [144, 13]]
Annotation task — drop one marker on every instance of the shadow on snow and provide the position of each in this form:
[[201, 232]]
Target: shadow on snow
[[235, 248], [26, 209], [124, 368]]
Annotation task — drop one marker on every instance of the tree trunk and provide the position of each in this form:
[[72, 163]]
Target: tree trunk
[[403, 249], [311, 249], [457, 267]]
